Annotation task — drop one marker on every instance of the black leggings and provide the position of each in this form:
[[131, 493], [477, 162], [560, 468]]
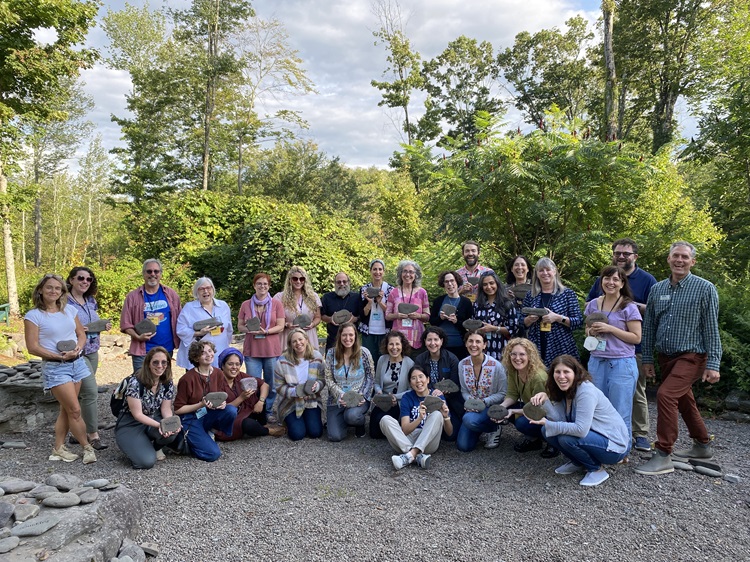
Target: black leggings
[[253, 426]]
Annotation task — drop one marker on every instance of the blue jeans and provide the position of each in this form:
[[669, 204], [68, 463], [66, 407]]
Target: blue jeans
[[472, 426], [339, 420], [137, 362], [617, 379], [196, 431], [262, 368], [524, 426], [589, 451], [309, 424]]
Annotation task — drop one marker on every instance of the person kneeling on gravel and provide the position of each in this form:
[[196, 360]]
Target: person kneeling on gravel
[[581, 422]]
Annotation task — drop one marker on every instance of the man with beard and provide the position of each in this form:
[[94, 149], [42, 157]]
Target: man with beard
[[341, 298], [470, 251], [625, 254], [157, 303]]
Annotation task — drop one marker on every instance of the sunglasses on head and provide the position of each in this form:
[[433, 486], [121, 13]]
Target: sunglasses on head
[[87, 279]]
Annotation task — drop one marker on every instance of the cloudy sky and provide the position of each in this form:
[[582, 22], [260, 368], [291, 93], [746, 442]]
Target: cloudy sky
[[334, 39]]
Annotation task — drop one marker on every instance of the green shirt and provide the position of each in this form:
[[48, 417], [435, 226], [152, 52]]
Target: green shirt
[[683, 318], [520, 391]]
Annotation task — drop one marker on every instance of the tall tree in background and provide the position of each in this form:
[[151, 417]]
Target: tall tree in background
[[550, 67], [30, 78], [610, 70], [404, 64], [460, 82], [207, 25]]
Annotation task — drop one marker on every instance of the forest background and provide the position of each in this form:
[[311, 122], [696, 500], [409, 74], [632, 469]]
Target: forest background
[[213, 183]]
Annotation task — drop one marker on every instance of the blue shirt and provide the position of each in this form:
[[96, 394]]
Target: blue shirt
[[410, 403], [156, 309]]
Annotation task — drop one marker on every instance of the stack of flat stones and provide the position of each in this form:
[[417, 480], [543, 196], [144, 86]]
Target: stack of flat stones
[[23, 372], [57, 516]]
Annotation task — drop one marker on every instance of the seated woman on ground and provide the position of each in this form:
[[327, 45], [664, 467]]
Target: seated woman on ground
[[418, 435], [440, 364], [199, 415], [246, 393], [391, 377], [581, 422], [299, 365], [452, 324], [482, 378], [148, 400], [348, 368], [498, 312], [526, 378]]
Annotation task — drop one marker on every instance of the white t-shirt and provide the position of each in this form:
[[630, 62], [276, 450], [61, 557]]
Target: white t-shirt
[[302, 369], [54, 327]]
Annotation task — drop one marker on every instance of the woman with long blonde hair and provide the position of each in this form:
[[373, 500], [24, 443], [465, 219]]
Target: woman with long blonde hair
[[299, 297]]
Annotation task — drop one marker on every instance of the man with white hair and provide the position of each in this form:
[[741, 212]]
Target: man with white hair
[[157, 303]]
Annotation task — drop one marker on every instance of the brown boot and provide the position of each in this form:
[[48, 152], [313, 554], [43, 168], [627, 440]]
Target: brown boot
[[276, 430]]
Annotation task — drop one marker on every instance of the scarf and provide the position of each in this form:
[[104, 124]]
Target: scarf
[[267, 302]]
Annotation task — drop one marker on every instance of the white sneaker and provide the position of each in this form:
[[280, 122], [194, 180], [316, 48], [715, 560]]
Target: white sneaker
[[400, 461], [568, 468], [594, 477], [493, 438], [423, 460], [160, 456]]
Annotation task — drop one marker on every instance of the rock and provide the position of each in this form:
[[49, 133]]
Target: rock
[[150, 548], [4, 532], [448, 309], [6, 545], [735, 416], [98, 483], [6, 510], [63, 482], [533, 412], [733, 478], [89, 496], [67, 499], [342, 316], [472, 325], [475, 404], [16, 485], [36, 526], [3, 377], [708, 471], [42, 491], [24, 512], [216, 398], [705, 464], [407, 307], [683, 465], [110, 486], [81, 489], [497, 412], [384, 401], [433, 404], [351, 398], [131, 550], [14, 445], [446, 386], [174, 423], [145, 327], [122, 559], [253, 324]]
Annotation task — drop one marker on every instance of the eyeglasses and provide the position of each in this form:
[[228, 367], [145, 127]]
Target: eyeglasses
[[157, 362], [408, 272], [344, 282], [516, 355], [87, 279], [153, 271], [298, 278], [623, 254]]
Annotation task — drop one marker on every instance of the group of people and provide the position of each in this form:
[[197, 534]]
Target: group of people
[[483, 352]]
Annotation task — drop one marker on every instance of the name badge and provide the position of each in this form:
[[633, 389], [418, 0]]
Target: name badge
[[602, 345], [545, 326], [665, 297], [377, 315], [407, 322], [200, 412]]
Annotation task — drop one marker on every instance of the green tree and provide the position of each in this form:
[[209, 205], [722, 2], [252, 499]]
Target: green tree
[[30, 78], [550, 68], [460, 82], [403, 62]]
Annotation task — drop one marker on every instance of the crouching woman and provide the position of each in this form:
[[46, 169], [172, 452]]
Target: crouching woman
[[580, 421], [148, 399], [417, 437]]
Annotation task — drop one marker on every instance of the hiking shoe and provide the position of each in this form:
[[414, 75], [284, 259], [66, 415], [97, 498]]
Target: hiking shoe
[[400, 461], [697, 451], [493, 438], [276, 430], [594, 477], [660, 463], [423, 460], [359, 431], [528, 445], [160, 456], [62, 454], [89, 455], [568, 468], [642, 444]]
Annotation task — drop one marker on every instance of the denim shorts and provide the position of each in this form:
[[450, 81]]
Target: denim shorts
[[56, 373]]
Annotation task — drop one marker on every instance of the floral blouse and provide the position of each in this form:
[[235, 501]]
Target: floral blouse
[[150, 402]]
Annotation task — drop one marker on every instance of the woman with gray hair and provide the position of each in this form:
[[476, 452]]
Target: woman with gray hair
[[552, 332], [409, 291], [204, 307]]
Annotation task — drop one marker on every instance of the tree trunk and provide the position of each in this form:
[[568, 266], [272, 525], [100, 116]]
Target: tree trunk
[[38, 232], [10, 263], [23, 240], [610, 89], [239, 165], [213, 52]]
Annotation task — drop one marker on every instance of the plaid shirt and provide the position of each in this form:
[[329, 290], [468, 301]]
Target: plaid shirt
[[683, 318]]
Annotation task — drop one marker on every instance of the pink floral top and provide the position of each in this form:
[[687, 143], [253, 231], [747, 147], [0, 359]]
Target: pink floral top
[[412, 329]]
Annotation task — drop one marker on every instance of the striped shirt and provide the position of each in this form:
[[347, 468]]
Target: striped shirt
[[683, 318]]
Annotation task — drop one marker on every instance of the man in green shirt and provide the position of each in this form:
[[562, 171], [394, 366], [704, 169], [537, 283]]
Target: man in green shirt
[[681, 325]]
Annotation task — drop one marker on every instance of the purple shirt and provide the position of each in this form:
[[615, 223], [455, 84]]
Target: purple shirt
[[616, 348]]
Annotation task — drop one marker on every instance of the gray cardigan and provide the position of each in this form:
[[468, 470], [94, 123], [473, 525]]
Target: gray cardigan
[[383, 382], [492, 369], [591, 410]]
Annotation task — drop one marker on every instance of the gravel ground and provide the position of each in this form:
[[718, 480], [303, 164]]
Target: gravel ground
[[315, 500]]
